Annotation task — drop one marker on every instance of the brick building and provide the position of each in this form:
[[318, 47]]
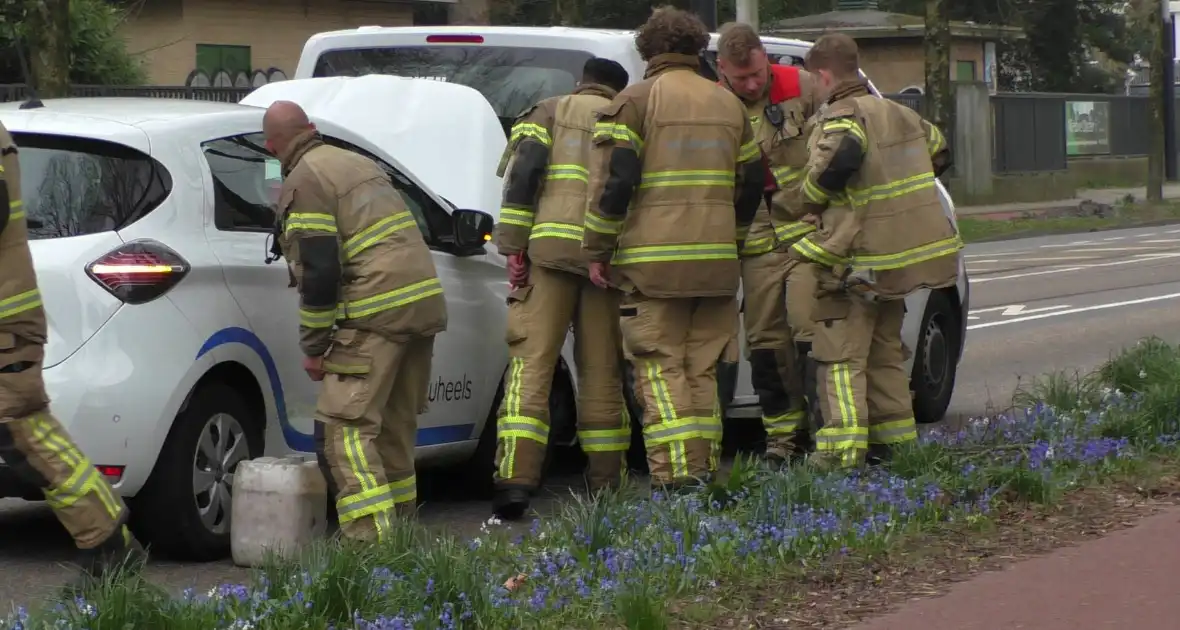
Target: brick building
[[175, 38], [891, 48]]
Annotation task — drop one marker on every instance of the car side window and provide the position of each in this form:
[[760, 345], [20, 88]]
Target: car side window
[[433, 220], [247, 181]]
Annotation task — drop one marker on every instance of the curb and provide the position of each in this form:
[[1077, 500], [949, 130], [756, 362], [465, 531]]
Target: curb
[[1034, 233]]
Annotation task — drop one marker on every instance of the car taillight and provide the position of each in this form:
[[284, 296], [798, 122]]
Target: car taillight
[[138, 271], [454, 39], [114, 474]]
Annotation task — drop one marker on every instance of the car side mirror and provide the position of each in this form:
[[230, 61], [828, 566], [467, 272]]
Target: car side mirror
[[473, 228]]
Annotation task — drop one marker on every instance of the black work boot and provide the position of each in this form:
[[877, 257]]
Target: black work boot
[[510, 504], [119, 552], [878, 454]]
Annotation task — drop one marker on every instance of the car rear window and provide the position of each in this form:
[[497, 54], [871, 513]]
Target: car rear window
[[511, 78], [74, 186]]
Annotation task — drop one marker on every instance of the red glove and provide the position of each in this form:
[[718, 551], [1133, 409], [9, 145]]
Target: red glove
[[518, 269]]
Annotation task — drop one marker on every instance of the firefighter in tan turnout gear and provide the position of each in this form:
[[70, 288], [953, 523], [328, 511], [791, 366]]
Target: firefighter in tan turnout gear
[[32, 442], [370, 306], [779, 100], [540, 230], [683, 180], [883, 235]]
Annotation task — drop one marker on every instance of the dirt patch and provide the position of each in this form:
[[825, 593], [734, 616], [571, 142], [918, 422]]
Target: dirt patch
[[843, 592]]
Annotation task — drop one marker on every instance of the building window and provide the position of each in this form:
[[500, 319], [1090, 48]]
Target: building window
[[214, 58], [965, 71]]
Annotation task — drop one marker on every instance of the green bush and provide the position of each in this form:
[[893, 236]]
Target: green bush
[[98, 53]]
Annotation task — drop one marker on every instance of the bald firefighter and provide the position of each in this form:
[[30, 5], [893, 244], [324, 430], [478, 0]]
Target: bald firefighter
[[33, 444], [540, 231], [883, 235], [370, 305], [683, 180], [779, 100]]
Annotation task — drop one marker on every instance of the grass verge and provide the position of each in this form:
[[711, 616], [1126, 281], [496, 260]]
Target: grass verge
[[760, 548], [977, 230]]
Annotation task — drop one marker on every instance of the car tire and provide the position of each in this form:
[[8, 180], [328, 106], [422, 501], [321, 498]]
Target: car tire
[[168, 515], [936, 359]]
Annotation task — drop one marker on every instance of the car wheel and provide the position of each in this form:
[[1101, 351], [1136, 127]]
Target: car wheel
[[183, 512], [936, 359]]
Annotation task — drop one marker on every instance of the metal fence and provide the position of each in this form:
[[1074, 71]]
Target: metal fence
[[1033, 132]]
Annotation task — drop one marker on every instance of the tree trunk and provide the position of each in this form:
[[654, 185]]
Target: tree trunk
[[471, 12], [939, 98], [567, 12], [47, 28], [1155, 101]]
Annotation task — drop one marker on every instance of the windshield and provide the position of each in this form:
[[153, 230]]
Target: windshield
[[512, 79]]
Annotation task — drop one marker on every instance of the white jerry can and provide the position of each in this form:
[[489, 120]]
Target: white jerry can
[[279, 505]]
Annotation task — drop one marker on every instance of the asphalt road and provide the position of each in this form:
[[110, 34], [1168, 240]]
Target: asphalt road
[[1037, 305]]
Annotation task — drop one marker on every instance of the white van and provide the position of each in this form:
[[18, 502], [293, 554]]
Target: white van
[[514, 67]]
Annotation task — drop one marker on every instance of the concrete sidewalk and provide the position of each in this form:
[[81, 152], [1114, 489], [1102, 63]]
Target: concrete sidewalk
[[1108, 196], [1124, 581]]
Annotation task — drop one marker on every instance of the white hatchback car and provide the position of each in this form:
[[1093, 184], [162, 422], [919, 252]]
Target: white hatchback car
[[173, 349]]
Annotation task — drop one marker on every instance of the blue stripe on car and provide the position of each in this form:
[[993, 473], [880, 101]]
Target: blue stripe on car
[[427, 436]]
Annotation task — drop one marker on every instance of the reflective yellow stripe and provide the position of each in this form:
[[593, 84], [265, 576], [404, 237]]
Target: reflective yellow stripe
[[510, 407], [358, 462], [936, 141], [523, 130], [311, 222], [893, 432], [674, 253], [604, 440], [316, 318], [913, 256], [567, 171], [670, 431], [749, 151], [783, 424], [19, 303], [567, 231], [341, 368], [14, 211], [602, 225], [516, 215], [83, 479], [785, 175], [373, 234], [393, 299], [604, 131], [891, 190], [663, 179], [758, 246], [792, 231], [849, 125], [814, 252], [815, 193], [517, 426]]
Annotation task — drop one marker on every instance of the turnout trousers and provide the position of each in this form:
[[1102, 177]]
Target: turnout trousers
[[774, 370], [372, 392], [539, 317], [864, 393], [40, 451], [673, 345]]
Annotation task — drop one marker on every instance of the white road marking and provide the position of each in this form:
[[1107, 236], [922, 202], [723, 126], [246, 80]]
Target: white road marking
[[1015, 309], [1162, 240], [1082, 309], [1051, 258], [1172, 232], [1071, 244], [1114, 238], [1139, 258], [1114, 249]]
